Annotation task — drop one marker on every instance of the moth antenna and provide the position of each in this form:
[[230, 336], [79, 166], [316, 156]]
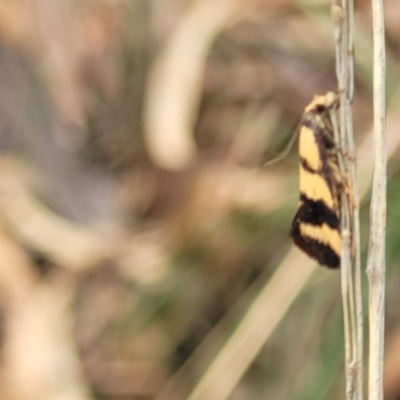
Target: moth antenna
[[286, 150]]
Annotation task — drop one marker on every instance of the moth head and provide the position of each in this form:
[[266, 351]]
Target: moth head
[[324, 103]]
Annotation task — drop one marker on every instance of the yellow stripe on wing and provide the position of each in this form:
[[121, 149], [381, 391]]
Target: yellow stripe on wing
[[315, 187], [323, 234], [308, 148]]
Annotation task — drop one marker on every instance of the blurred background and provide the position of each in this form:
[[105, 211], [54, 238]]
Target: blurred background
[[138, 224]]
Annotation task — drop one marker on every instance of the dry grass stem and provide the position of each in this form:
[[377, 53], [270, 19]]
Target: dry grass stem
[[343, 18], [38, 325], [376, 264], [175, 84], [264, 314], [64, 242]]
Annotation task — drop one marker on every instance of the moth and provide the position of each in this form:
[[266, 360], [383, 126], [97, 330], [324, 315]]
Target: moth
[[316, 225]]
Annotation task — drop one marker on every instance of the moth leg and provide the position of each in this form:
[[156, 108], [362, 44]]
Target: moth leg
[[351, 201], [348, 190], [342, 179], [342, 182], [345, 153], [345, 187]]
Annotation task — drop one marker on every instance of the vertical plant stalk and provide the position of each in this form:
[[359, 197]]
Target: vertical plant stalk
[[260, 320], [343, 18], [376, 251]]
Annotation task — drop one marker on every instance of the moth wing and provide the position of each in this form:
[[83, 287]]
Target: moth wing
[[316, 225]]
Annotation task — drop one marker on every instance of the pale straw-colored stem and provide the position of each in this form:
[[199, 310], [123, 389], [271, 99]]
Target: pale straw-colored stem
[[376, 254], [343, 17]]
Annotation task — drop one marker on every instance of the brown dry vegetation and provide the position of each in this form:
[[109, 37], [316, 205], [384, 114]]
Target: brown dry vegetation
[[138, 226]]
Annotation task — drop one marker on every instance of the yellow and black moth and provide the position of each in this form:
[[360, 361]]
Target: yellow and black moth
[[316, 225]]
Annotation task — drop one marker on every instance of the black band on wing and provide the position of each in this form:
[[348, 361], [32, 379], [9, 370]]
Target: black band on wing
[[316, 213], [320, 252], [304, 163]]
